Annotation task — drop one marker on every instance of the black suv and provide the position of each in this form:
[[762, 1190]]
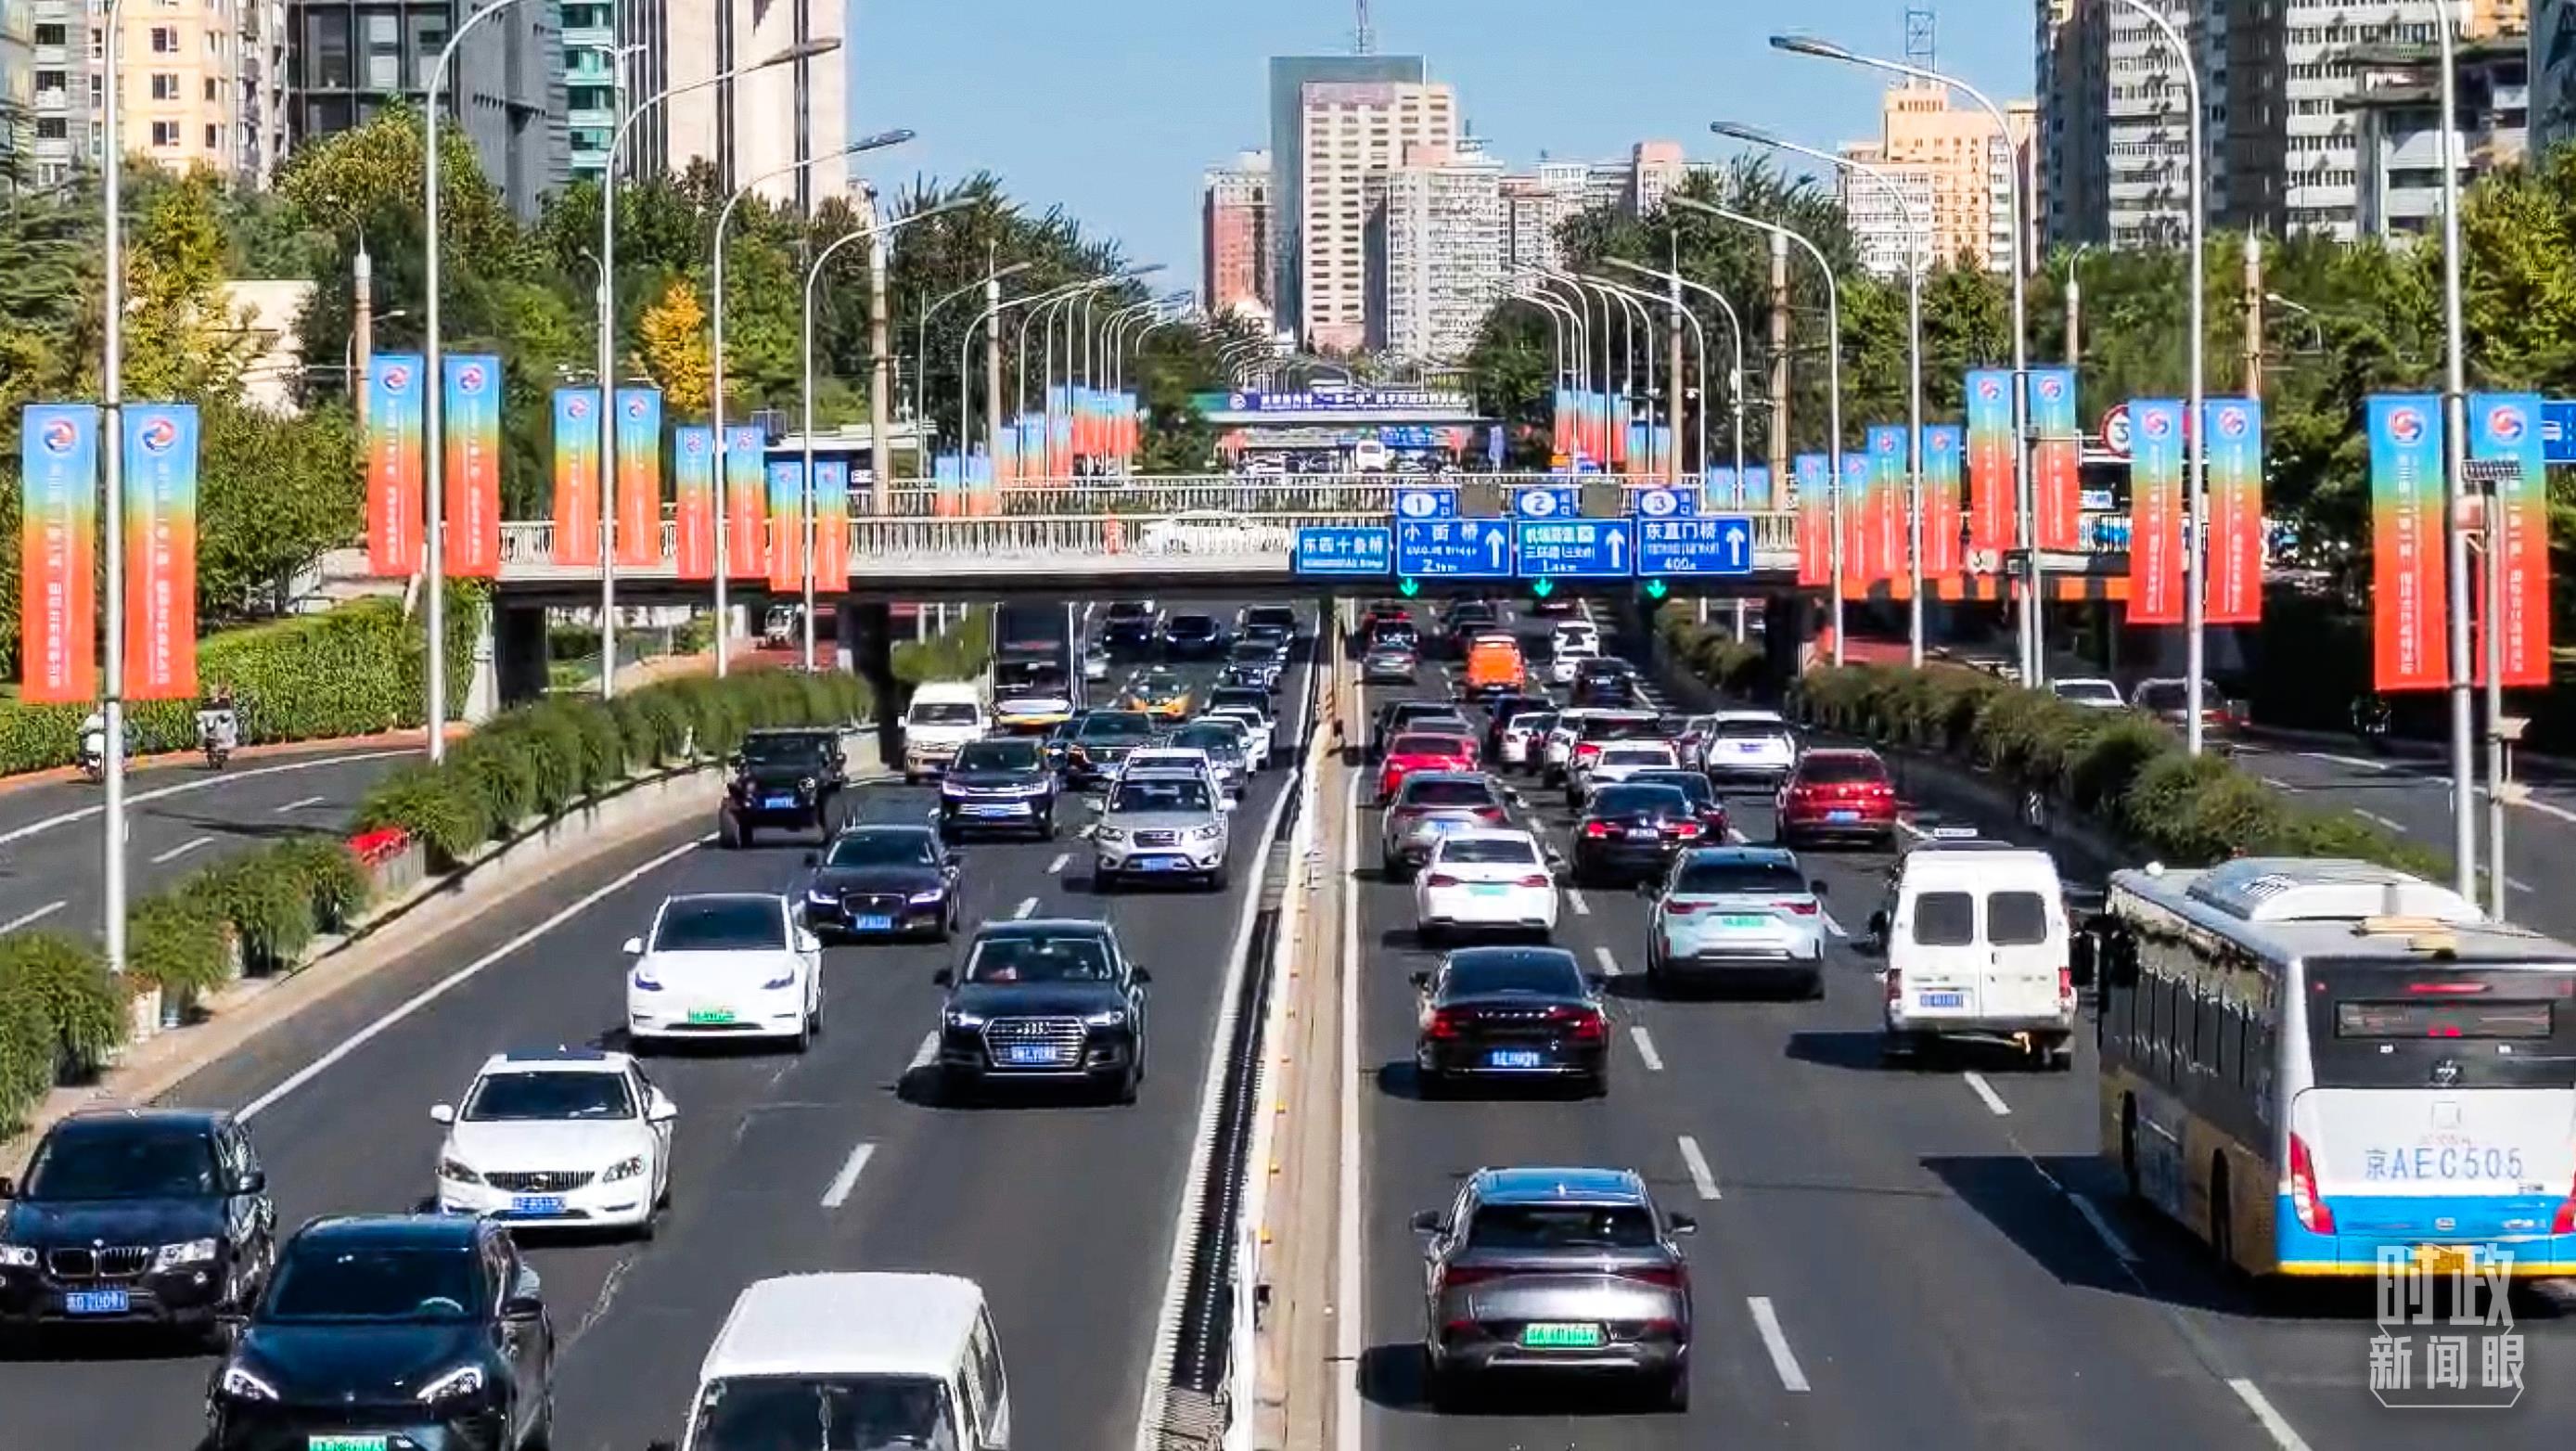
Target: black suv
[[154, 1217], [1000, 783], [1044, 1001], [1127, 631], [391, 1330], [787, 779], [1193, 637]]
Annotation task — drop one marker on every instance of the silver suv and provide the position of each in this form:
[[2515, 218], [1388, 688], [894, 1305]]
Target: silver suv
[[1159, 822]]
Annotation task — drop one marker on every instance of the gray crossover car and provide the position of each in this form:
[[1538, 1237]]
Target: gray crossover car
[[1556, 1271], [1158, 823]]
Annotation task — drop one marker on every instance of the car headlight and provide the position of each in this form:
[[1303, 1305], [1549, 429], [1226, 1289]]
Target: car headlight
[[1113, 1018], [951, 788], [929, 898], [645, 981], [451, 1167], [465, 1380], [193, 1252], [964, 1022], [1206, 833], [784, 980], [1109, 833], [18, 1256], [626, 1168], [819, 897], [241, 1385], [807, 784]]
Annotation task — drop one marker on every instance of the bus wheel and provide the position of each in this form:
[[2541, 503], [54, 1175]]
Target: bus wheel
[[2222, 1216], [2129, 1144]]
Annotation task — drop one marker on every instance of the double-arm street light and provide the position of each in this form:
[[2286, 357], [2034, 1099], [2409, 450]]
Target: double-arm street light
[[1646, 302], [1735, 380], [2455, 452], [921, 350]]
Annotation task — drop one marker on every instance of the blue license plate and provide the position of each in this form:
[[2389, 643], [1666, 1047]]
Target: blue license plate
[[1512, 1058], [95, 1302], [1942, 1000], [1842, 816], [777, 803], [1159, 864], [1030, 1054], [542, 1204], [876, 924], [993, 808]]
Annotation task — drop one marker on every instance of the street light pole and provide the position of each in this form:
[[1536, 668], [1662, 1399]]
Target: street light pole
[[111, 444], [921, 352], [2455, 445], [1698, 334]]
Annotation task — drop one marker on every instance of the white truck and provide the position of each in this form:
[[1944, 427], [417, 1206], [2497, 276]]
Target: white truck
[[943, 716]]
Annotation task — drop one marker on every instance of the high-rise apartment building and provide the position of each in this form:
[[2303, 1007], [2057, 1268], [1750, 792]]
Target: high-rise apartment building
[[1536, 206], [1950, 165], [204, 85], [2396, 115], [348, 59], [1351, 130], [2553, 74], [590, 73], [2073, 107], [757, 128], [1234, 238], [1437, 249], [1289, 77], [17, 85]]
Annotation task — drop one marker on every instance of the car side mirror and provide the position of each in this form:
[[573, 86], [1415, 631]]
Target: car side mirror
[[1430, 1221], [634, 947], [8, 1187], [734, 760], [1421, 980], [1878, 925], [943, 977], [522, 1307], [1142, 975], [442, 1113], [1682, 1224], [1597, 980], [662, 1110]]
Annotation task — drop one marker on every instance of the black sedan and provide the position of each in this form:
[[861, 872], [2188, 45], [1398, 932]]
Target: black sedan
[[1510, 1014], [1630, 832], [1704, 801], [999, 784], [884, 881], [1044, 1001], [156, 1217], [1605, 683], [395, 1331], [1192, 637]]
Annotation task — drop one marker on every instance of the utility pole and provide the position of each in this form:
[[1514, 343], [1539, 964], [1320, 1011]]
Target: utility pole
[[2253, 314], [1673, 408], [880, 421], [362, 328], [992, 365], [2074, 318]]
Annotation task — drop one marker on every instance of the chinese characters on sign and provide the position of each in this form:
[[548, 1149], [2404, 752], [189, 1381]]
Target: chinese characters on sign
[[1344, 549]]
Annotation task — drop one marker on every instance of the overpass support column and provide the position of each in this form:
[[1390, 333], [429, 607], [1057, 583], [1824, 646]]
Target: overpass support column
[[865, 630], [519, 652], [1788, 623]]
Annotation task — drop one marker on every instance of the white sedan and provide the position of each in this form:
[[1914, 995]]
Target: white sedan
[[560, 1136], [1618, 761], [1484, 879], [725, 965], [1256, 731]]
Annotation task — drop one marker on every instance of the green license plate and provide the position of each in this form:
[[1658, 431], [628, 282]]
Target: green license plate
[[347, 1443], [707, 1015], [1743, 919], [1546, 1336]]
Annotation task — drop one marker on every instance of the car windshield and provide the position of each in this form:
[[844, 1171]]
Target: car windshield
[[759, 750], [1271, 617], [720, 924], [1027, 957], [1723, 878], [1438, 792], [1745, 728], [1020, 755], [1834, 770], [375, 1282], [1690, 783], [1488, 851], [1617, 728], [1215, 740], [1627, 800], [2170, 695], [1427, 745], [1161, 794], [2094, 692], [903, 847], [506, 1097], [1193, 626], [1156, 682], [1037, 680], [1255, 701], [1069, 727], [1255, 651], [1543, 974], [1130, 610], [1115, 726], [825, 1413], [127, 1161], [1561, 1226], [942, 713]]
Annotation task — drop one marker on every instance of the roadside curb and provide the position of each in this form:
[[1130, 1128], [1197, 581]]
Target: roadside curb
[[384, 740]]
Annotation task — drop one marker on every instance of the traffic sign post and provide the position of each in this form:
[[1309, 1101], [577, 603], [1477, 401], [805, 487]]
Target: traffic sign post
[[1343, 549], [1453, 548], [1576, 549], [1712, 544]]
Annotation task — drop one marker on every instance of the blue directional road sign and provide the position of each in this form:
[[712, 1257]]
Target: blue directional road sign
[[1710, 544], [1426, 503], [1576, 548], [1546, 502], [2558, 431], [1667, 503], [1453, 548], [1330, 549]]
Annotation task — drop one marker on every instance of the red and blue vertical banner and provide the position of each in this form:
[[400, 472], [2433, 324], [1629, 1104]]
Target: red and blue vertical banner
[[160, 551], [577, 476], [1757, 487], [396, 397], [746, 518], [2232, 434], [1883, 515], [1815, 540], [1991, 522], [831, 525], [2406, 566], [1854, 501], [639, 476], [693, 485], [1560, 434], [2507, 426], [1717, 489], [787, 524], [1944, 449], [1006, 457], [2155, 512], [470, 416], [1058, 436], [57, 554], [2056, 451]]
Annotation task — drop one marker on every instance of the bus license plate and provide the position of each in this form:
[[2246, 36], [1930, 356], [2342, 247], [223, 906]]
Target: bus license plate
[[1553, 1335], [1512, 1058], [95, 1302], [546, 1204]]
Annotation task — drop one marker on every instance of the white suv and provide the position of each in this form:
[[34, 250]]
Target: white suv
[[1748, 748]]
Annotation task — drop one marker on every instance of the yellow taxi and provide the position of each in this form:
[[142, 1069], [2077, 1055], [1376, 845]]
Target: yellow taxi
[[1160, 693]]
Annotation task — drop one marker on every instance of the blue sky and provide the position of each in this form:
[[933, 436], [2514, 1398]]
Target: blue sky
[[1113, 108]]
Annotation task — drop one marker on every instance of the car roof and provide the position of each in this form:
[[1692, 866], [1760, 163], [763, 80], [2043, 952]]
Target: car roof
[[1487, 833], [1763, 856], [1514, 952], [2065, 680], [100, 1120], [1767, 717], [554, 1060], [846, 1323], [1478, 777], [888, 828], [1536, 1185], [454, 1231], [798, 732], [1840, 753], [1045, 927], [773, 899]]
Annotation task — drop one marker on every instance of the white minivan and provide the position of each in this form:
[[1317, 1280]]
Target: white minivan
[[944, 716], [853, 1359], [1975, 937]]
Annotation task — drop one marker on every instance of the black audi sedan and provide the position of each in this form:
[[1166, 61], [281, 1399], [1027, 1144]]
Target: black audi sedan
[[1630, 832], [391, 1333], [1047, 1000], [150, 1217], [1510, 1014], [1003, 784], [884, 881]]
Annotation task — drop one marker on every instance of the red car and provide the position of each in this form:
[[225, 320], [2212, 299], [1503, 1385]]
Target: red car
[[1839, 795], [1422, 751]]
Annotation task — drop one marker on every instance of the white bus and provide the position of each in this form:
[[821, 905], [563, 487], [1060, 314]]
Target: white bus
[[2308, 1062]]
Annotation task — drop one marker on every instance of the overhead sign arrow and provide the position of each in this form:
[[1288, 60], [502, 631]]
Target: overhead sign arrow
[[1656, 589], [1410, 587], [1542, 586]]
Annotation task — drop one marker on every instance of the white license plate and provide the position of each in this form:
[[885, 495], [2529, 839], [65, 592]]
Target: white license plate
[[1030, 1054], [1941, 1000], [96, 1302], [1512, 1058], [536, 1204], [1842, 816], [1641, 833]]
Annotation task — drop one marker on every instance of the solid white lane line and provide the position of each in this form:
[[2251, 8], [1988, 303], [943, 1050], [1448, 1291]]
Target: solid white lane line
[[1986, 1091], [1646, 1048], [27, 918], [1348, 1307], [2355, 762], [33, 828], [922, 1056], [183, 848], [299, 804], [2101, 1223], [1022, 911], [1767, 1321], [1057, 865], [2280, 1430], [1574, 899], [848, 1179], [453, 980], [1702, 1178], [1609, 963], [2382, 822], [2518, 884]]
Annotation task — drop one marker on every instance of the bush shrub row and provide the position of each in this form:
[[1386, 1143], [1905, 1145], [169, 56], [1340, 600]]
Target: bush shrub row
[[959, 652], [1714, 656]]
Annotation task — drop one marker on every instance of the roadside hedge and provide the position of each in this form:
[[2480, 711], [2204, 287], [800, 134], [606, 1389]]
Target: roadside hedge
[[352, 671]]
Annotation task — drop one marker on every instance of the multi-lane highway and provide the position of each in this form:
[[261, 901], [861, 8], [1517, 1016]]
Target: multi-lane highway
[[1063, 1210], [181, 816], [1885, 1257]]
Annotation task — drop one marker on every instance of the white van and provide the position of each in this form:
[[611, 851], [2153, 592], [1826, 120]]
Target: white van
[[1975, 937], [880, 1359], [944, 716]]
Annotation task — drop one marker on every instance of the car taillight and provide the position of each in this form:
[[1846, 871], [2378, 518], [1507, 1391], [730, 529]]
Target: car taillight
[[1680, 909], [1440, 879], [1538, 879], [1489, 813], [1458, 1276], [1803, 909], [1681, 828], [2312, 1209], [1590, 1026], [2565, 1221], [1587, 750], [1448, 1023], [1895, 985], [2066, 984], [1596, 828], [1670, 1277]]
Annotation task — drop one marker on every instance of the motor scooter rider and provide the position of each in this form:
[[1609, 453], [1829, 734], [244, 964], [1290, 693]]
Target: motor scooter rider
[[93, 737], [218, 721]]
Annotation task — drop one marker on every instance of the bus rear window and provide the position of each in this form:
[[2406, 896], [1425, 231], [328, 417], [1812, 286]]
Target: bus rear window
[[2435, 1018]]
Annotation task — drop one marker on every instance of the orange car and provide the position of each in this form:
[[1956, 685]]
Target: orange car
[[1495, 666]]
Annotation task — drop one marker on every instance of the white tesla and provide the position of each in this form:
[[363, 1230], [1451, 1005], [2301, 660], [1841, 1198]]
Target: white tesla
[[725, 965]]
